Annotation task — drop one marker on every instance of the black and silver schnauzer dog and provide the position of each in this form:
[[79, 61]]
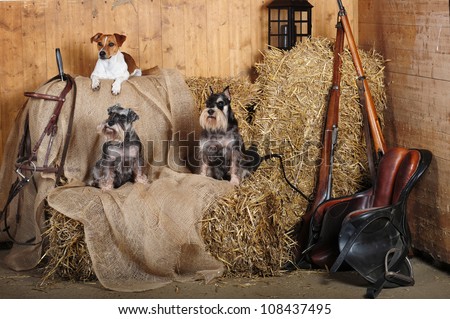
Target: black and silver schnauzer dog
[[222, 152], [122, 159]]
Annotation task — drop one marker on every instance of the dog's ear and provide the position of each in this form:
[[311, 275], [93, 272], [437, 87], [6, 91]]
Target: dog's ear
[[211, 91], [226, 91], [231, 118], [113, 108], [132, 116], [96, 37], [120, 38]]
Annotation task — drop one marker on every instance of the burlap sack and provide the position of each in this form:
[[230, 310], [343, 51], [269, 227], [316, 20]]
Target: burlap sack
[[139, 236]]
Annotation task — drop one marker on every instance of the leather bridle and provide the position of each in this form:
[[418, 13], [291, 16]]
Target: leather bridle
[[26, 164]]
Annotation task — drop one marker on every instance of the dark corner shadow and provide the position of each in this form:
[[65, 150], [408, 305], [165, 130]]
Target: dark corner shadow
[[6, 245], [431, 260]]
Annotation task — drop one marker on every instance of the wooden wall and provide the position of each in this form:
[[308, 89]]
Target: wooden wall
[[415, 37], [199, 37]]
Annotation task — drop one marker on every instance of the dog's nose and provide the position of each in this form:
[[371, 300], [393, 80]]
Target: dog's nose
[[102, 54], [111, 122], [210, 111]]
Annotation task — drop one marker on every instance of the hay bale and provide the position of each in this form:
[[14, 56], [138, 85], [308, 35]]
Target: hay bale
[[67, 254], [249, 230]]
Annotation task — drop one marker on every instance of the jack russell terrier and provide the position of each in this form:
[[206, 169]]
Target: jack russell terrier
[[112, 63]]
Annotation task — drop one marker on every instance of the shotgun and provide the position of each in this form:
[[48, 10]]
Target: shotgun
[[306, 235]]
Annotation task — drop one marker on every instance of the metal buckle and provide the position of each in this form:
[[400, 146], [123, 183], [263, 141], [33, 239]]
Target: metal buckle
[[21, 175]]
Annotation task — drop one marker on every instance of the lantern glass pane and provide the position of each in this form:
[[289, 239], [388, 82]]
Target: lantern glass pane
[[298, 28], [301, 28], [274, 27], [304, 16], [283, 14], [300, 16], [278, 14], [283, 38], [304, 28]]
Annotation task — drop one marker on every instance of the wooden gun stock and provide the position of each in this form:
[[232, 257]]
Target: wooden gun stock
[[305, 236]]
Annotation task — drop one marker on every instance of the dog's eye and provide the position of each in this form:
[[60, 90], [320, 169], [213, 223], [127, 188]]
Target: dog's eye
[[99, 44], [110, 44], [220, 104]]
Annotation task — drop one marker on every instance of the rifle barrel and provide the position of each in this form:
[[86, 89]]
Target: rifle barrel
[[375, 127]]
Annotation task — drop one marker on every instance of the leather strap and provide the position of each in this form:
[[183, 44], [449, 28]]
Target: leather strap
[[68, 133], [51, 129], [15, 189], [44, 96]]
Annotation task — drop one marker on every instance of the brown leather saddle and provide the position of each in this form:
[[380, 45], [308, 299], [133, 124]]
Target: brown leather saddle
[[374, 237]]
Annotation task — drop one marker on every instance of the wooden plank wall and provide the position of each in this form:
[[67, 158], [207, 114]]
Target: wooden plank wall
[[199, 37], [415, 37]]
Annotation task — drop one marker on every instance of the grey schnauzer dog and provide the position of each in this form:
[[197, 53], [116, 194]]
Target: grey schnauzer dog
[[122, 159], [222, 152]]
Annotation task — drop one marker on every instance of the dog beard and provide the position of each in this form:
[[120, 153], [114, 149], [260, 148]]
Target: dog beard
[[113, 133], [216, 122]]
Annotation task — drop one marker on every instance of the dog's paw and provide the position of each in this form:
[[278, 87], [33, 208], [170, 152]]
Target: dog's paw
[[95, 85], [235, 180], [142, 179], [115, 90], [106, 185]]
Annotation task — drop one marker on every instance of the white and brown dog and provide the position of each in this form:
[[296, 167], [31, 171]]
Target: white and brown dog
[[112, 64], [222, 152]]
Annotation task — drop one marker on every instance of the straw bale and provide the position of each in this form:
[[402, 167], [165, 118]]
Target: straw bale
[[250, 230], [67, 255]]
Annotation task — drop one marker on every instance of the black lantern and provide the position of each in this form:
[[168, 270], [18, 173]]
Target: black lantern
[[289, 22]]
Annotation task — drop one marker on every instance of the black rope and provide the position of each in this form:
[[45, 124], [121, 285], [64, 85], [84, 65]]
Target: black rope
[[269, 156]]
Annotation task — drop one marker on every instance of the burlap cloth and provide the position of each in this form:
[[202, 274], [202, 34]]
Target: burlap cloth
[[140, 236]]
